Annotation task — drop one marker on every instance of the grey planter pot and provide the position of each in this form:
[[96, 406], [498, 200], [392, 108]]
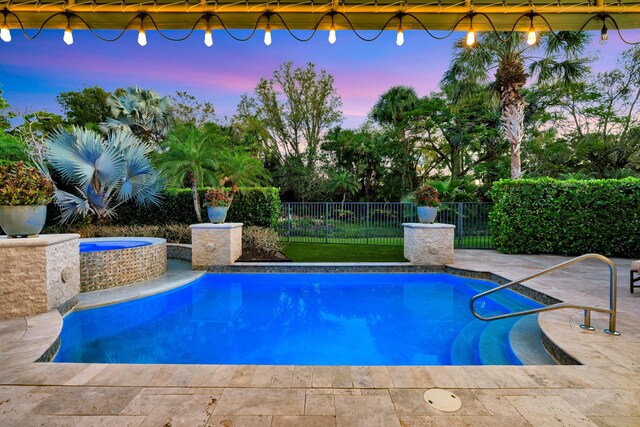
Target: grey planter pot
[[217, 214], [22, 221], [427, 214]]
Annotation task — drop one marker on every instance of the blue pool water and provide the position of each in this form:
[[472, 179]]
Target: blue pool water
[[304, 319], [111, 245]]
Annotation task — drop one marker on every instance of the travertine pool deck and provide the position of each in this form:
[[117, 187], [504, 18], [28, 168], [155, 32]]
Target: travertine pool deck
[[605, 390]]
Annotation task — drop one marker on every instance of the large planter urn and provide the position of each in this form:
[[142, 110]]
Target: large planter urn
[[427, 214], [22, 221], [217, 214]]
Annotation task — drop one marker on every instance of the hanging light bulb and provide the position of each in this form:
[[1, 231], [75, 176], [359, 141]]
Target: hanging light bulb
[[532, 37], [400, 35], [267, 32], [68, 33], [5, 33], [471, 34], [208, 38], [142, 34], [604, 33], [332, 32]]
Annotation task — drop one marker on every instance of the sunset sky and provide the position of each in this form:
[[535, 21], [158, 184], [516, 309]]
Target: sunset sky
[[32, 73]]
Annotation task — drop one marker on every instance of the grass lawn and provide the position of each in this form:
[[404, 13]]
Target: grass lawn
[[330, 252]]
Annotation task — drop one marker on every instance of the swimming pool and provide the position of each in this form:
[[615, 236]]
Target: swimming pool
[[305, 319]]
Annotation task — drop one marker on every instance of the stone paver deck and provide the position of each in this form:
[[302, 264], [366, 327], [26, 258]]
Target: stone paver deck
[[605, 390]]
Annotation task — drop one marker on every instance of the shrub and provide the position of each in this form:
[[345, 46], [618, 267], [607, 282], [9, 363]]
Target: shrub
[[427, 195], [173, 233], [217, 197], [261, 240], [23, 185], [251, 206], [567, 217]]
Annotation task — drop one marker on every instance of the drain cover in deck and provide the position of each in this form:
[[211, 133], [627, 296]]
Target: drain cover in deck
[[442, 400]]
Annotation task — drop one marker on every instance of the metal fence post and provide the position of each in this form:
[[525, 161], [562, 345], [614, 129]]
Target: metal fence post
[[289, 217], [367, 219], [326, 217], [460, 205]]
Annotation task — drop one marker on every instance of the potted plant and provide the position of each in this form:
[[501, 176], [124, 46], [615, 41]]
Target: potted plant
[[217, 202], [428, 201], [24, 195]]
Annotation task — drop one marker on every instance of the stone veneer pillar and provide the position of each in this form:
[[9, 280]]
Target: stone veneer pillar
[[215, 244], [38, 274], [428, 244]]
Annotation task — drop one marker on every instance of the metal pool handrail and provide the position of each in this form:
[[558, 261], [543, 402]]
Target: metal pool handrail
[[587, 309]]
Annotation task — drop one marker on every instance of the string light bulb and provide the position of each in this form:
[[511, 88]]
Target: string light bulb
[[142, 34], [267, 33], [5, 32], [400, 35], [68, 33], [471, 34], [532, 36], [208, 38], [332, 32], [604, 33]]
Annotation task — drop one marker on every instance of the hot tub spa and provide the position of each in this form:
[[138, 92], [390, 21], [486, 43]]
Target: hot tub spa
[[109, 262]]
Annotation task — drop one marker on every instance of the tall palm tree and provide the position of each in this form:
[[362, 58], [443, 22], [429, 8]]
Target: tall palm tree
[[239, 168], [191, 155], [344, 183], [394, 104], [555, 58], [142, 112]]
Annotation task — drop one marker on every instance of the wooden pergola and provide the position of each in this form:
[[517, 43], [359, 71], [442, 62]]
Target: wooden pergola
[[448, 15]]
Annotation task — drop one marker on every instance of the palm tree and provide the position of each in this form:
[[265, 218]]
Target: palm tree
[[142, 112], [560, 62], [105, 172], [191, 155], [393, 105], [344, 182], [239, 168]]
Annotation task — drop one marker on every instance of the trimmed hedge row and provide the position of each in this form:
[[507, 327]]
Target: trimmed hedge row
[[567, 217], [251, 205]]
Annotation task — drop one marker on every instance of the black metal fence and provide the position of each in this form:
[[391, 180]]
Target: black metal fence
[[378, 223]]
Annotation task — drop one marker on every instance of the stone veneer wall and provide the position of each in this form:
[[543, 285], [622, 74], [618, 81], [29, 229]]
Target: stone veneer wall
[[38, 274], [215, 244], [179, 251], [429, 244], [108, 269]]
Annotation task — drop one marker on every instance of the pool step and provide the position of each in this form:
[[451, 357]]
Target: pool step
[[525, 338], [494, 348], [464, 350]]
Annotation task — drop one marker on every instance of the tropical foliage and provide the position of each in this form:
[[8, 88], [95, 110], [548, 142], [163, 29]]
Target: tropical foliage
[[217, 197], [427, 195], [23, 185], [100, 173]]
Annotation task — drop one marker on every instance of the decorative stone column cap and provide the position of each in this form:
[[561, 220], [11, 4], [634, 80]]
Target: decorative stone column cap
[[224, 225], [421, 225], [38, 241]]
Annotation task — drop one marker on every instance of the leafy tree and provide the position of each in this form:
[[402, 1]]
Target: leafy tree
[[5, 113], [105, 172], [393, 106], [187, 109], [35, 129], [142, 112], [295, 107], [558, 61], [344, 183], [86, 107], [191, 154]]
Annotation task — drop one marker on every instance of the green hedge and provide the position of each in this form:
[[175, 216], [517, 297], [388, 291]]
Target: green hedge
[[251, 206], [567, 217]]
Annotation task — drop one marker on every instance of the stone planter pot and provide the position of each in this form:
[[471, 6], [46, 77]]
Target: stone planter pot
[[427, 214], [22, 221], [217, 214]]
